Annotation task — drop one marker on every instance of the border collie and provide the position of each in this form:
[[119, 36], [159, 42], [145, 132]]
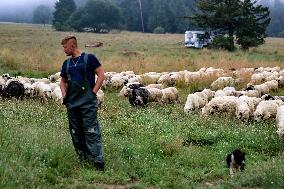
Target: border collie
[[236, 161]]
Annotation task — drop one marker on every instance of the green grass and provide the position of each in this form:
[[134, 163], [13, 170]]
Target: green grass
[[156, 146]]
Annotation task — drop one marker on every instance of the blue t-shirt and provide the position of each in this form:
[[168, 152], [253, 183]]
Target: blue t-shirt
[[76, 69]]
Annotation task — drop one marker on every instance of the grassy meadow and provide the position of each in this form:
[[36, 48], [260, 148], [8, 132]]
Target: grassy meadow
[[157, 146]]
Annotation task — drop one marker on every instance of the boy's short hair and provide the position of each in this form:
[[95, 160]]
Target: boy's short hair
[[67, 38]]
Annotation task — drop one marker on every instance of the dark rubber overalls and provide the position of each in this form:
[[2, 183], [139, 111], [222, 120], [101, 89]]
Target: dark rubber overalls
[[82, 107]]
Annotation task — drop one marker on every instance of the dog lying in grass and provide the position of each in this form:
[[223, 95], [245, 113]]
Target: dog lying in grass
[[236, 161]]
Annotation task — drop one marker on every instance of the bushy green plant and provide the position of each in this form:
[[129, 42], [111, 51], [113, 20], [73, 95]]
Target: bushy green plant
[[159, 30], [223, 42]]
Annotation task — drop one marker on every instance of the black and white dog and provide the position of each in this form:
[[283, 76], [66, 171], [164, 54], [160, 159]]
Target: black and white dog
[[236, 161]]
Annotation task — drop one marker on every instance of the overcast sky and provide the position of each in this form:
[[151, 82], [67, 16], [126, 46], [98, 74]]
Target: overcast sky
[[25, 2]]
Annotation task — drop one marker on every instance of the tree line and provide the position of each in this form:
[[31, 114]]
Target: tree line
[[157, 16], [133, 15]]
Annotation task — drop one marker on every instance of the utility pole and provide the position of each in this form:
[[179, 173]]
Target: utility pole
[[141, 15]]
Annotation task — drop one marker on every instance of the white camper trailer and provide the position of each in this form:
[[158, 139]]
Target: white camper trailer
[[197, 39]]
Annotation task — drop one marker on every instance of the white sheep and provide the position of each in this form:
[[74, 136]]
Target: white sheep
[[267, 109], [29, 89], [220, 105], [54, 77], [170, 95], [280, 122], [100, 96], [262, 88], [155, 94], [250, 93], [158, 86], [195, 101], [210, 94], [280, 80], [56, 95], [190, 77], [167, 80], [272, 85], [246, 107], [222, 82], [125, 91], [151, 77], [43, 90], [2, 83]]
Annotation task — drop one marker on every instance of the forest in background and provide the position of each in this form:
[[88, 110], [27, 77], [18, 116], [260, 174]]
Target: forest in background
[[167, 15]]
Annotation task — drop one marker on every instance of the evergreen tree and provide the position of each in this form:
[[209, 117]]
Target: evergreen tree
[[221, 15], [131, 14], [253, 22], [241, 17], [42, 15], [63, 10], [99, 15]]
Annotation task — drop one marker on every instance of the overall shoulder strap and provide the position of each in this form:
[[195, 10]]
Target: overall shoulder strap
[[67, 69], [85, 66]]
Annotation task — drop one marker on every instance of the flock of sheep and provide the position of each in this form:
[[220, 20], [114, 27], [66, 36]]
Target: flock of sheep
[[251, 103]]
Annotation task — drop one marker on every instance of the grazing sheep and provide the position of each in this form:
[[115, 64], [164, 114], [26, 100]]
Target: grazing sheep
[[195, 101], [246, 107], [29, 90], [54, 77], [210, 94], [2, 83], [272, 85], [250, 93], [220, 105], [115, 81], [267, 109], [53, 85], [43, 90], [139, 97], [280, 122], [100, 96], [126, 90], [167, 80], [135, 78], [13, 89], [6, 76], [257, 78], [151, 77], [158, 86], [170, 95], [155, 94], [280, 81], [56, 95], [222, 82], [190, 77], [270, 97], [262, 88]]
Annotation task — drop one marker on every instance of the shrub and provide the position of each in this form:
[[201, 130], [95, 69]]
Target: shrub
[[159, 30], [223, 42]]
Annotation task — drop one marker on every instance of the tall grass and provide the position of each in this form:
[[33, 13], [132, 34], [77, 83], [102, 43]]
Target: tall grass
[[38, 48]]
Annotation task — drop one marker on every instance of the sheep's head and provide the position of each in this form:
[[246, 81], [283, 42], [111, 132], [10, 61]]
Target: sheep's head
[[6, 76], [250, 87], [280, 133], [267, 97], [258, 116], [188, 109]]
